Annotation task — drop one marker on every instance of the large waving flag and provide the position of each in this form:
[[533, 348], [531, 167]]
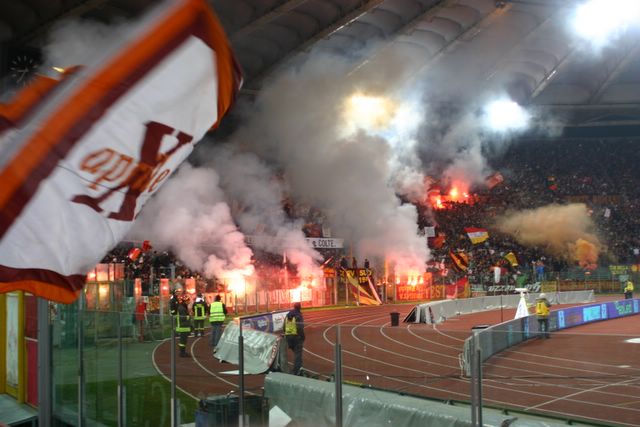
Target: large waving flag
[[460, 261], [78, 163], [476, 235]]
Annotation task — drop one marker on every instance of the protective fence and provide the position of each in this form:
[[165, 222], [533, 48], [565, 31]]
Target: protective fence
[[497, 338], [358, 368], [587, 375]]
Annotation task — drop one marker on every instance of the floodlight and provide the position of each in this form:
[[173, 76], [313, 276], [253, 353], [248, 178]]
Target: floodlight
[[598, 21], [505, 116]]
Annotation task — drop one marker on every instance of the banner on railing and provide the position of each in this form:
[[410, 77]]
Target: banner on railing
[[459, 289], [266, 322]]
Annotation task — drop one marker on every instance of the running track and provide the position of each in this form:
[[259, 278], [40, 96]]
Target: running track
[[588, 373]]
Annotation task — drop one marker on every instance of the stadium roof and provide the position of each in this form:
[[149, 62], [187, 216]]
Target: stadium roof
[[523, 47]]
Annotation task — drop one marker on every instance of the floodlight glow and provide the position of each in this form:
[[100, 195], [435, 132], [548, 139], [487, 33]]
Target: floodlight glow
[[407, 118], [368, 112], [505, 116], [598, 21]]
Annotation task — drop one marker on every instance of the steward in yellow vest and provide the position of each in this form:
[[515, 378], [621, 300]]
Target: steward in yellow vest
[[628, 290], [294, 334], [542, 313], [217, 315]]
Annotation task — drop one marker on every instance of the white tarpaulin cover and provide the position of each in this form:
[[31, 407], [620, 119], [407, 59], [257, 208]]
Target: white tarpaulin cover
[[311, 403], [79, 159], [260, 348]]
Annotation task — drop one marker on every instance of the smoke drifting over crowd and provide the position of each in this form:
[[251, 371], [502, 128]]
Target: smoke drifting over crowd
[[299, 123], [566, 231], [190, 217], [250, 186]]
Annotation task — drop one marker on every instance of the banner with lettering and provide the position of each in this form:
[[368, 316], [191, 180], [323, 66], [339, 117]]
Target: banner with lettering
[[77, 167], [360, 287], [267, 322], [325, 243]]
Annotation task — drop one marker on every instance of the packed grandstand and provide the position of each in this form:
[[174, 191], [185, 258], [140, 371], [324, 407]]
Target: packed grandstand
[[598, 174]]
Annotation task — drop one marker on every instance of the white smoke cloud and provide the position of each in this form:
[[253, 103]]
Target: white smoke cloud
[[296, 124], [190, 217], [249, 183], [79, 42], [457, 153]]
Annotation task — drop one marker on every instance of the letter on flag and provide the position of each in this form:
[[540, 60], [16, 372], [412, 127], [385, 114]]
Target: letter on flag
[[78, 164], [477, 235]]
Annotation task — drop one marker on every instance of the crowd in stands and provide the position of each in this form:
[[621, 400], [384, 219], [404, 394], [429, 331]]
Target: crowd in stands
[[602, 174]]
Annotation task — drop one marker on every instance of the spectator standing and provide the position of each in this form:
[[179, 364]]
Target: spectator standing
[[542, 313], [294, 334], [217, 315], [539, 271], [141, 317], [628, 290], [173, 303]]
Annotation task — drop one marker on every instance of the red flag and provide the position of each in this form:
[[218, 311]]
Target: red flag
[[134, 254], [146, 246], [459, 289]]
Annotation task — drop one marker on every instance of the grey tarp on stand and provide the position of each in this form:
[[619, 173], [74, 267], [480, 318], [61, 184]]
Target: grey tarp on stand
[[439, 311], [311, 403], [260, 348]]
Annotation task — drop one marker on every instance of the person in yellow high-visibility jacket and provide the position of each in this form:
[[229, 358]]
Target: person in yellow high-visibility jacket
[[628, 290], [294, 334], [217, 315], [542, 313]]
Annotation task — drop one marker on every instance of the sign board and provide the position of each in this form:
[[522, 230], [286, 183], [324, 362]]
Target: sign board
[[314, 242], [325, 243]]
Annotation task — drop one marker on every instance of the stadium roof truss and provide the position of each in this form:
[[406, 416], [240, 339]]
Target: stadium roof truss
[[521, 47]]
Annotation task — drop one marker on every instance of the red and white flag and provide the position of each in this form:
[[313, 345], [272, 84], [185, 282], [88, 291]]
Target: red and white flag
[[78, 164]]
